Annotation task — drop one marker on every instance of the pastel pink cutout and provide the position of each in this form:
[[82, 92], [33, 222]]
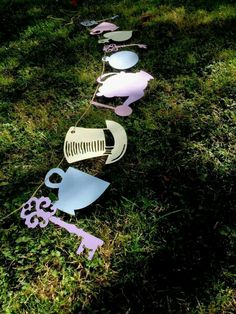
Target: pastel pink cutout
[[103, 27], [131, 85]]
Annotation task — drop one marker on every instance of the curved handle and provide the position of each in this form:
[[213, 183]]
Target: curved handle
[[105, 59], [100, 78], [96, 32], [50, 184]]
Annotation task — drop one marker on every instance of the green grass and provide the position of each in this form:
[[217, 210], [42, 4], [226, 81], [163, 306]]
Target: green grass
[[168, 218]]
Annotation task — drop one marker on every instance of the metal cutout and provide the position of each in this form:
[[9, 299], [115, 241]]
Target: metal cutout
[[131, 85], [41, 217], [122, 60], [103, 27], [116, 36], [83, 143], [76, 189]]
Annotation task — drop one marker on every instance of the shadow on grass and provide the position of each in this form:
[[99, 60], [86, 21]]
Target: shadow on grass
[[195, 247]]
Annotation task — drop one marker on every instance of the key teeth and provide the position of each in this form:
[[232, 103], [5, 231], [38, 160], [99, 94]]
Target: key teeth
[[91, 243], [83, 247]]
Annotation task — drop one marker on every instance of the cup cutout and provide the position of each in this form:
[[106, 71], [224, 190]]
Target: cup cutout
[[83, 143], [76, 190]]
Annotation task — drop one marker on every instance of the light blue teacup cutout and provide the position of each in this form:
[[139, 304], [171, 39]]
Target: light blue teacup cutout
[[76, 189]]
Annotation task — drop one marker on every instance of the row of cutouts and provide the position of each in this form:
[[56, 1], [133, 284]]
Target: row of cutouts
[[77, 189]]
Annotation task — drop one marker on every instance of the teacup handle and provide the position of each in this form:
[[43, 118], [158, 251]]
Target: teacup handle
[[50, 184], [105, 59]]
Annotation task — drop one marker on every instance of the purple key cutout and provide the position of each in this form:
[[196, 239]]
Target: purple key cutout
[[41, 217], [88, 241], [114, 47], [32, 219]]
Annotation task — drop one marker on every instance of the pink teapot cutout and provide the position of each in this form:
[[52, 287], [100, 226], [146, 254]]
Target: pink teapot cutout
[[103, 27], [131, 85]]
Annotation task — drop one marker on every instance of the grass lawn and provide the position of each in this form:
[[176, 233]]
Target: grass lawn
[[168, 218]]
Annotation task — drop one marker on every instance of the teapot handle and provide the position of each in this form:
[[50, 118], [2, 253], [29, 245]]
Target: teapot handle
[[100, 78], [50, 184], [97, 32]]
